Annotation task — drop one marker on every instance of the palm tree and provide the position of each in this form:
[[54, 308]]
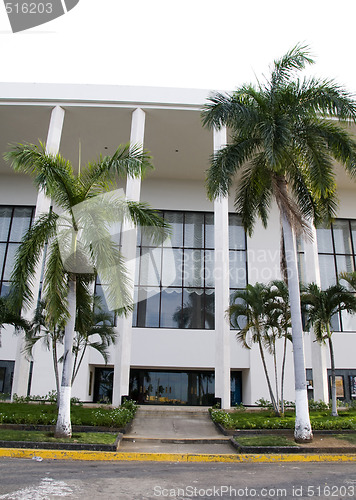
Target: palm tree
[[322, 305], [8, 317], [350, 278], [279, 325], [282, 146], [92, 320], [247, 313], [79, 239]]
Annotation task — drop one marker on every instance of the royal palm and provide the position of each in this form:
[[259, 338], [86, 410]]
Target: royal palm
[[284, 139], [78, 233], [321, 307]]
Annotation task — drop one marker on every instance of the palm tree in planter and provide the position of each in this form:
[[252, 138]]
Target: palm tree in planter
[[93, 328], [247, 314], [321, 306], [283, 143], [78, 232], [278, 327]]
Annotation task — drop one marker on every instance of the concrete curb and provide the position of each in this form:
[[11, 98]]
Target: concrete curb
[[170, 457]]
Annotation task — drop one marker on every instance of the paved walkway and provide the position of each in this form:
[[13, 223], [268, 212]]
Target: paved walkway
[[170, 429]]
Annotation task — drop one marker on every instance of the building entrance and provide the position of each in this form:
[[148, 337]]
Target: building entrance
[[172, 387]]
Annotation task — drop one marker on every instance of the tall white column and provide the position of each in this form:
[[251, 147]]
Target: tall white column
[[22, 365], [222, 286], [122, 360], [318, 352]]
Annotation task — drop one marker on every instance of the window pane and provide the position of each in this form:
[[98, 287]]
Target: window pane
[[20, 223], [10, 260], [335, 323], [172, 267], [353, 231], [150, 266], [325, 244], [2, 256], [210, 309], [171, 308], [209, 231], [238, 278], [193, 268], [193, 309], [209, 268], [148, 307], [193, 230], [344, 263], [176, 222], [236, 233], [301, 267], [348, 322], [342, 237], [327, 271], [5, 217]]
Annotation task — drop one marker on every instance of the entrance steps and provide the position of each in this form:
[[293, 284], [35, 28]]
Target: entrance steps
[[169, 429]]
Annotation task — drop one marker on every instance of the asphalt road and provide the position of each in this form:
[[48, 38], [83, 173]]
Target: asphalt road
[[25, 479]]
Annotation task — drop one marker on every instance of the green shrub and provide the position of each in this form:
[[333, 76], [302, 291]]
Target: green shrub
[[317, 405]]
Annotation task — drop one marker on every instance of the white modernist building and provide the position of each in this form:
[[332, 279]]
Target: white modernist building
[[177, 346]]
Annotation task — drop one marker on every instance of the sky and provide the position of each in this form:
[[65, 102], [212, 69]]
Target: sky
[[215, 45]]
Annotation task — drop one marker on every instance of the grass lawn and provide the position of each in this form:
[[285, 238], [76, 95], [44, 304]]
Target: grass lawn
[[46, 414], [265, 419], [38, 436], [266, 440]]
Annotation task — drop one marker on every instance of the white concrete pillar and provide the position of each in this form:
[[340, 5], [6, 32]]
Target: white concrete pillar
[[122, 359], [222, 290], [22, 365], [318, 352]]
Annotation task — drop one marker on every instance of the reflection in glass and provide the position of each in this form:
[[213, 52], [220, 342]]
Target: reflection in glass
[[148, 307], [324, 239], [237, 237], [194, 230], [10, 260], [327, 271], [344, 263], [20, 223], [150, 266], [342, 237], [209, 231], [238, 278], [5, 217], [348, 322], [171, 306], [193, 268], [172, 271], [175, 219]]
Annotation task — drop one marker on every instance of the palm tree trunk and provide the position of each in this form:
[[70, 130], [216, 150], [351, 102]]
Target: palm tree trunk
[[302, 431], [282, 373], [64, 426], [55, 366], [273, 400], [334, 412], [276, 374]]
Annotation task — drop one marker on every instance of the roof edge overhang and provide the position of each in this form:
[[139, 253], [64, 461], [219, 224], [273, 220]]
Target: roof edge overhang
[[102, 95]]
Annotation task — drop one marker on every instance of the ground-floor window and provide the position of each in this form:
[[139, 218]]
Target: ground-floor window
[[6, 376], [174, 387]]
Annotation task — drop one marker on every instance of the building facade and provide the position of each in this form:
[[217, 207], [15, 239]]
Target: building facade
[[177, 346]]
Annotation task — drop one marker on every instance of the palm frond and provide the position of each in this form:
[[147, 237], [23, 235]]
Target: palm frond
[[27, 259]]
